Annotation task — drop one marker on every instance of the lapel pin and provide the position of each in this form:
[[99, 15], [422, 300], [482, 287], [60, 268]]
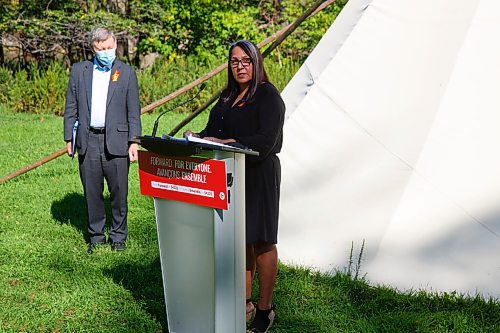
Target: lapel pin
[[115, 75]]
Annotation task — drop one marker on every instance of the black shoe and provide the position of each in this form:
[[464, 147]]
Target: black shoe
[[92, 247], [263, 321], [118, 246]]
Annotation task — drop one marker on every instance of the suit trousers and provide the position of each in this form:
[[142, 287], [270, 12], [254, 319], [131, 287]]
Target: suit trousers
[[95, 166]]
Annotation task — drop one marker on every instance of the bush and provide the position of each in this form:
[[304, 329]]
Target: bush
[[204, 28], [34, 90], [39, 91]]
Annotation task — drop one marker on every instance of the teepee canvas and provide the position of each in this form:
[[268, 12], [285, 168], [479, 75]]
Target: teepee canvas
[[392, 137]]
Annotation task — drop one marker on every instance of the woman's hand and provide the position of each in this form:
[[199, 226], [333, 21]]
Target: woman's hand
[[189, 133]]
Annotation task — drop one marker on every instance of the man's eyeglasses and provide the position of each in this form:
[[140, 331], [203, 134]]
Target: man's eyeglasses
[[245, 62]]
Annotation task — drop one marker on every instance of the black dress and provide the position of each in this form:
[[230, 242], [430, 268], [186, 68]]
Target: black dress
[[258, 125]]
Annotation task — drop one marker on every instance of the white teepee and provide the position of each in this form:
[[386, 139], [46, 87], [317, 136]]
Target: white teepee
[[393, 137]]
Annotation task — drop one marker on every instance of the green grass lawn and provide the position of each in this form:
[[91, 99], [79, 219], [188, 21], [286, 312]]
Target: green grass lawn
[[49, 284]]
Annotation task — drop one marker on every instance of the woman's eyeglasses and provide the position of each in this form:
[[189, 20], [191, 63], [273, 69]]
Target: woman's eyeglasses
[[245, 62]]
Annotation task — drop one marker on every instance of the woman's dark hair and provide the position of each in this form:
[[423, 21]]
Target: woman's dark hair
[[259, 73]]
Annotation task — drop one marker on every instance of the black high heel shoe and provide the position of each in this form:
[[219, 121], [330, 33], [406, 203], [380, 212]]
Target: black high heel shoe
[[263, 321]]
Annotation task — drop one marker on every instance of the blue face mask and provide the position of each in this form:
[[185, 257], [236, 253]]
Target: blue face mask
[[106, 57]]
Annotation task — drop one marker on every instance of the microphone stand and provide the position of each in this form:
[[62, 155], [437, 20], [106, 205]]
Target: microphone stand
[[155, 127]]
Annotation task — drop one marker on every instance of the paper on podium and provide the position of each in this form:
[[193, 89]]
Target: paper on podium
[[191, 138]]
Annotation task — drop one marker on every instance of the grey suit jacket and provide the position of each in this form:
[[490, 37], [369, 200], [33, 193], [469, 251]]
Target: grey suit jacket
[[123, 123]]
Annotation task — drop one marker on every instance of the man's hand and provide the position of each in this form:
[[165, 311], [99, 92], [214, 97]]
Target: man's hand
[[68, 149], [133, 152]]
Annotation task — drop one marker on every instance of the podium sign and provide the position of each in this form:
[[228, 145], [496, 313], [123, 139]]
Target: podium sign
[[188, 179]]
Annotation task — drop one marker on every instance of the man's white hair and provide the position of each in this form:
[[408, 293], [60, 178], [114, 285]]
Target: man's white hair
[[99, 34]]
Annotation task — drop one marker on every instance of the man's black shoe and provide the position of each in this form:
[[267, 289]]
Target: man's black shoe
[[92, 247], [118, 246]]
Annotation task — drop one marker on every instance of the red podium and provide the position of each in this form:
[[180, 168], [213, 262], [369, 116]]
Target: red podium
[[199, 198]]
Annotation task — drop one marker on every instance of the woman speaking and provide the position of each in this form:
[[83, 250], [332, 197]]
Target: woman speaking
[[250, 113]]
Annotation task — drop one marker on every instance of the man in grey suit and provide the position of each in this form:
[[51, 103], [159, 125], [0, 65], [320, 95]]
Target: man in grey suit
[[103, 96]]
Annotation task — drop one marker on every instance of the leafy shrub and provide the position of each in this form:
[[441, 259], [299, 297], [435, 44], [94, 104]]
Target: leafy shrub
[[39, 91], [166, 76], [169, 27], [34, 90], [192, 35]]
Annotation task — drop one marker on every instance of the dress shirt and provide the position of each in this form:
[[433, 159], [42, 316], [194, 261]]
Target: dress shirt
[[100, 85]]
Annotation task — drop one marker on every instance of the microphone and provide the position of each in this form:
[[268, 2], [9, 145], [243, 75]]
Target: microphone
[[155, 127]]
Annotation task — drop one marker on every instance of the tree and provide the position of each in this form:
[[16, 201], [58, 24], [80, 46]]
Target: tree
[[44, 30]]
